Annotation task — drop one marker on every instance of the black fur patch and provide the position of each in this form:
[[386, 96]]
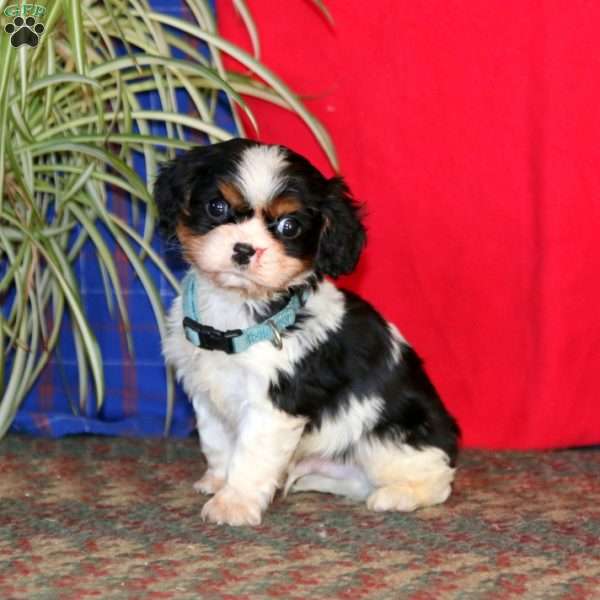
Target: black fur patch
[[344, 235], [356, 360]]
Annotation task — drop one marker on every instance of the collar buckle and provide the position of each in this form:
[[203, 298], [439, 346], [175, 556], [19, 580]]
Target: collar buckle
[[211, 338]]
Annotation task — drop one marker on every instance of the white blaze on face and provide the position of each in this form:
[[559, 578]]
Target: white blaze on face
[[260, 174]]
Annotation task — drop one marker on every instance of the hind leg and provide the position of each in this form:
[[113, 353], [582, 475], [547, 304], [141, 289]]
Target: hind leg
[[318, 474], [404, 477]]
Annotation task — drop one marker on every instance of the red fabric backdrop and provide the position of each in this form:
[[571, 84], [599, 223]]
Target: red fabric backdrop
[[471, 130]]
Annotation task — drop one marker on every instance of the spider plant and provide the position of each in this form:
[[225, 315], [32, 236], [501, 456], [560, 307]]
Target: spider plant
[[71, 121]]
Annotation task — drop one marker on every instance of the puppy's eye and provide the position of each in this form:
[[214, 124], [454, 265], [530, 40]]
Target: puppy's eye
[[289, 228], [218, 209]]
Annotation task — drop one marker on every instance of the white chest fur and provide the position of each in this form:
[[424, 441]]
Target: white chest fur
[[229, 382]]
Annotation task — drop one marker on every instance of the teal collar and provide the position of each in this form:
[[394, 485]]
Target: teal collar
[[236, 340]]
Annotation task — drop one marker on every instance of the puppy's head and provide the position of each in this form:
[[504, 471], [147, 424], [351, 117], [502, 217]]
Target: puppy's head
[[258, 218]]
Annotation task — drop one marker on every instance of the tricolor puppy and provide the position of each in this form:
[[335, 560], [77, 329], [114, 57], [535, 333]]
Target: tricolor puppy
[[296, 384]]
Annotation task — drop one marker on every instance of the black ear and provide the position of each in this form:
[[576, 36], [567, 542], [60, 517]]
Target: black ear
[[169, 196], [343, 235]]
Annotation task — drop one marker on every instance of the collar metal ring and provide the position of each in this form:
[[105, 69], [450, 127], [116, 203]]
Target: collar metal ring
[[277, 341]]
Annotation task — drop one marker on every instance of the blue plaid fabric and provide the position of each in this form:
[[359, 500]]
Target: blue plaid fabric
[[135, 402]]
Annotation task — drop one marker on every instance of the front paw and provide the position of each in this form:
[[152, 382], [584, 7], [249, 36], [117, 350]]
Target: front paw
[[210, 483], [227, 507]]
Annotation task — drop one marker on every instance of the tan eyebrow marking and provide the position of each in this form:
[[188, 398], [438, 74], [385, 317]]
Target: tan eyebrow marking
[[233, 196], [283, 205]]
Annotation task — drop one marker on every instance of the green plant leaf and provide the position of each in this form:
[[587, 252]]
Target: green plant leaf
[[72, 122], [250, 25], [76, 33], [57, 262], [265, 74], [322, 8], [7, 60], [107, 261]]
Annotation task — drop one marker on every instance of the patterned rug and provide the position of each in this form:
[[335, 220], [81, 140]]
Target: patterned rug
[[117, 518]]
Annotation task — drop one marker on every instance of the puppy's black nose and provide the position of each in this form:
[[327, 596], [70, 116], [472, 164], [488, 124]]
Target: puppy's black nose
[[242, 253]]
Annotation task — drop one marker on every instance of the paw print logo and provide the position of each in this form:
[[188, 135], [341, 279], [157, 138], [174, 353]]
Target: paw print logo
[[24, 31]]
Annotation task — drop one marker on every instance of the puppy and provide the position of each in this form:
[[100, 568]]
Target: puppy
[[296, 384]]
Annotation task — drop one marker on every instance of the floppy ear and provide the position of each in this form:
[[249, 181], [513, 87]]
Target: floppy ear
[[343, 235], [169, 196], [174, 183]]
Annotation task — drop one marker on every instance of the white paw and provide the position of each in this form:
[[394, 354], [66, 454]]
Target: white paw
[[405, 498], [392, 497], [226, 507], [210, 483]]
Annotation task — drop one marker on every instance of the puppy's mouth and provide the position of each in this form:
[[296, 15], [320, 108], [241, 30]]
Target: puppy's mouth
[[239, 278]]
